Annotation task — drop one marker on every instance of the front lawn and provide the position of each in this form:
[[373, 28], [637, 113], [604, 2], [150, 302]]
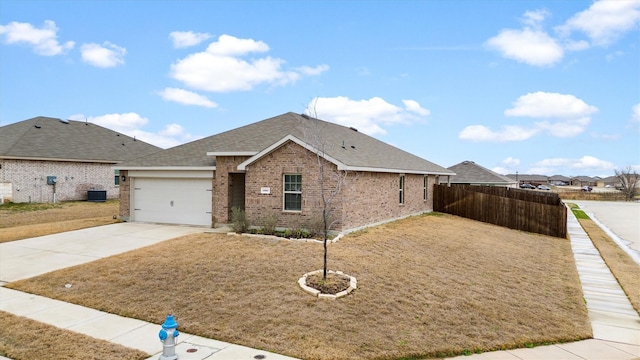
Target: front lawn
[[427, 286]]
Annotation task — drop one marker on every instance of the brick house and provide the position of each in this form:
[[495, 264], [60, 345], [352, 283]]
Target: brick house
[[271, 169], [45, 159]]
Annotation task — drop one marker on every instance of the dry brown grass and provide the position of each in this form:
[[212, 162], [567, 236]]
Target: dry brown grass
[[21, 221], [626, 271], [427, 286], [26, 339]]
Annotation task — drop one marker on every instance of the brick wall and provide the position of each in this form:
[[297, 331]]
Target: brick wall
[[365, 198], [29, 180], [221, 196], [125, 198], [269, 171], [374, 197]]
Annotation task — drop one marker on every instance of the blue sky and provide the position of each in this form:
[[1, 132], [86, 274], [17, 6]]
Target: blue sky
[[545, 87]]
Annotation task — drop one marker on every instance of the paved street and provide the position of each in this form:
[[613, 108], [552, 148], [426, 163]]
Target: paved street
[[622, 219]]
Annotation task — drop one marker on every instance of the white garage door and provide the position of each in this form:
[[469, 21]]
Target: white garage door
[[172, 201]]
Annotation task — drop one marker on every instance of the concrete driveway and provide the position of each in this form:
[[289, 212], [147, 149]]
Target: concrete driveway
[[621, 220], [27, 258]]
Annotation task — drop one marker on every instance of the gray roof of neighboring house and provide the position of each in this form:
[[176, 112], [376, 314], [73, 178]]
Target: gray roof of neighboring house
[[344, 144], [45, 138], [558, 178], [528, 177], [468, 172], [583, 178]]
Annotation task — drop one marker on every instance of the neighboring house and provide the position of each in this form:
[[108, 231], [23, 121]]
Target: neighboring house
[[529, 179], [45, 159], [610, 181], [270, 169], [559, 180], [470, 173], [583, 181]]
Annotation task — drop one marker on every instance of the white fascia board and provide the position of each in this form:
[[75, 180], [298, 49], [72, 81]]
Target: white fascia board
[[279, 143], [231, 153], [394, 171], [168, 168]]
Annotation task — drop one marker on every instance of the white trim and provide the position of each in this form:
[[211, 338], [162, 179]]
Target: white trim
[[231, 153], [166, 168], [186, 174]]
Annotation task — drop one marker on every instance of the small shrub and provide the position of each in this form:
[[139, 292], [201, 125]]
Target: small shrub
[[270, 222], [239, 222]]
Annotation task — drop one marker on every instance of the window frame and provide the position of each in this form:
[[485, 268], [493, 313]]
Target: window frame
[[425, 193], [116, 179], [286, 192], [401, 189]]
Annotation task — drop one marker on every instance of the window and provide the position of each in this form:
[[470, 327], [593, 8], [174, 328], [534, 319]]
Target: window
[[401, 189], [292, 192], [424, 187], [117, 177]]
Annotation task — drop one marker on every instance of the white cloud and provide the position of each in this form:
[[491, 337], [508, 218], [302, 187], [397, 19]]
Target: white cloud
[[44, 40], [308, 70], [505, 134], [550, 105], [562, 115], [635, 113], [186, 97], [604, 21], [529, 46], [535, 18], [104, 56], [510, 161], [228, 45], [414, 106], [510, 164], [568, 166], [183, 39], [221, 67], [368, 116], [131, 124]]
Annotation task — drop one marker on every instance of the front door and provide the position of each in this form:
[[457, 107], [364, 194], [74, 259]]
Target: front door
[[236, 191]]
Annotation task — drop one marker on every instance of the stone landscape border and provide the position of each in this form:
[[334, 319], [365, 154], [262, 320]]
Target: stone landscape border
[[353, 284], [274, 237]]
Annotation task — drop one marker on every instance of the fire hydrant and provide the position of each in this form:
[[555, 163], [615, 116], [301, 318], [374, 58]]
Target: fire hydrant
[[168, 336]]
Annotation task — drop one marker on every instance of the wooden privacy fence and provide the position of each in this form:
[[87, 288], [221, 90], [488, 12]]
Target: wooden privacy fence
[[526, 210]]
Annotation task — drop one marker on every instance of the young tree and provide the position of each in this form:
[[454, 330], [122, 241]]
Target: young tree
[[629, 179], [330, 180]]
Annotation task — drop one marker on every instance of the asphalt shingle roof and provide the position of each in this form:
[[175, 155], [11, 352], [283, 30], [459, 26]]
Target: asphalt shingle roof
[[54, 139], [344, 144], [468, 172]]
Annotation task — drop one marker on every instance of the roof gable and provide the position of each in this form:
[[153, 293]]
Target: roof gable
[[44, 138]]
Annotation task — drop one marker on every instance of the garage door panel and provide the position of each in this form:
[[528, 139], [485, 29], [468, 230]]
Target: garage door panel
[[173, 201]]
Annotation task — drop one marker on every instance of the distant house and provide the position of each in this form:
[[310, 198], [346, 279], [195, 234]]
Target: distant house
[[270, 169], [530, 179], [610, 181], [559, 180], [470, 173], [45, 159], [583, 181]]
